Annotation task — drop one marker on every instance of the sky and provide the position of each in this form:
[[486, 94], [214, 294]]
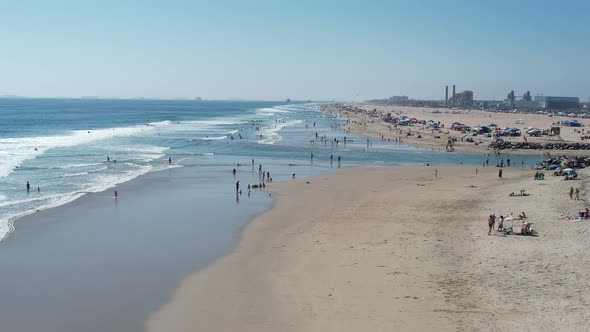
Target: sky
[[273, 50]]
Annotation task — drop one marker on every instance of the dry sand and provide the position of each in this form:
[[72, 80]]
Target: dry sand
[[394, 249], [362, 123]]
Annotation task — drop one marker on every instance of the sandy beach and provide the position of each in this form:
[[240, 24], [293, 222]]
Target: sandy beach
[[361, 122], [397, 249]]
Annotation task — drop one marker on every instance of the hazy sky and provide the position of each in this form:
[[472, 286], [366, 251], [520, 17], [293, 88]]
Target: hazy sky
[[272, 50]]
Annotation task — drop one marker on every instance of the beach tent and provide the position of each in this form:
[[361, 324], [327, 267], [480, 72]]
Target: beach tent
[[569, 171]]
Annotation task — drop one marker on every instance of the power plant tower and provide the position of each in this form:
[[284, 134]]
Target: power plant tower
[[453, 98], [447, 96]]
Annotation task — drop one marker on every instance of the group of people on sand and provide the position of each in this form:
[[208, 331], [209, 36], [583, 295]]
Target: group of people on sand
[[526, 226], [574, 194], [263, 176]]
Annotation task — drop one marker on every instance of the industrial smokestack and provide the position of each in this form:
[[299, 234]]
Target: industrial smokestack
[[447, 96], [453, 93]]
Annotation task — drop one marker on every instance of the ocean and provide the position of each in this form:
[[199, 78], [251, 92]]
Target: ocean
[[66, 148]]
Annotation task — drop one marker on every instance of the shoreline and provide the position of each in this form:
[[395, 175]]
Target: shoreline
[[113, 256], [279, 276], [72, 210], [375, 128]]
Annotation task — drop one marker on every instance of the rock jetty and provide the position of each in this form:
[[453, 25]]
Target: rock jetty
[[575, 162], [503, 145]]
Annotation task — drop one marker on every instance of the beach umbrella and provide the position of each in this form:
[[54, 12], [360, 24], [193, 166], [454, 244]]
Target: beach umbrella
[[511, 219]]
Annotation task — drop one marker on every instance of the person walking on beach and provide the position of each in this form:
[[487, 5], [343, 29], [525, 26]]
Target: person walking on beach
[[500, 173], [508, 162], [436, 173], [237, 187], [577, 194], [571, 192], [490, 224], [116, 194], [476, 170], [28, 186]]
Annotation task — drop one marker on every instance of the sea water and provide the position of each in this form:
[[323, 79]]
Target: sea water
[[61, 146]]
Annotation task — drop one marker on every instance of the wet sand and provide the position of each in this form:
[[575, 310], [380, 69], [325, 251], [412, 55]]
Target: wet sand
[[396, 249], [100, 264]]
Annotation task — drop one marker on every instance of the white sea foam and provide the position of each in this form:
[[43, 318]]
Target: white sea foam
[[100, 183], [75, 166], [216, 122], [69, 175], [210, 138], [271, 135], [272, 110], [14, 151]]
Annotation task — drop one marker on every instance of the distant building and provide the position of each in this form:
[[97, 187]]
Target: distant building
[[510, 99], [561, 103], [523, 103], [399, 99], [463, 99]]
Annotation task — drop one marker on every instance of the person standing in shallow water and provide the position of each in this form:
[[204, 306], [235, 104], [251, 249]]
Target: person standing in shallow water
[[28, 186], [237, 186]]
